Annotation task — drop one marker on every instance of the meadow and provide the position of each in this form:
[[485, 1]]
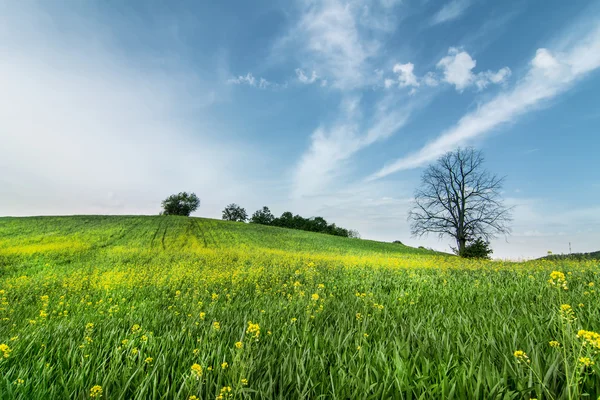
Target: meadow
[[191, 308]]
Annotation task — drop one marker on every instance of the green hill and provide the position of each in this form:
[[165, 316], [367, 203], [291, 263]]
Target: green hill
[[88, 236]]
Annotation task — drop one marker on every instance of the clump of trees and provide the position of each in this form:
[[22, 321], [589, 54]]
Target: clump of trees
[[182, 203], [460, 199], [234, 212], [264, 216]]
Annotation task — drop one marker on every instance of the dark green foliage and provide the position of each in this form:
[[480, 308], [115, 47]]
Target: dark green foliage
[[263, 216], [234, 212], [397, 242], [477, 249], [595, 255], [315, 224], [180, 204]]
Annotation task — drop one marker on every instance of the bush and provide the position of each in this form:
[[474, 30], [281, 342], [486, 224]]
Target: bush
[[180, 204], [477, 249], [398, 242]]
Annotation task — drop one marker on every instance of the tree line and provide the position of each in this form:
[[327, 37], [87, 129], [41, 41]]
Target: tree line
[[264, 216]]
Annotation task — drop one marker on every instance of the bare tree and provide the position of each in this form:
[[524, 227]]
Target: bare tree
[[458, 198]]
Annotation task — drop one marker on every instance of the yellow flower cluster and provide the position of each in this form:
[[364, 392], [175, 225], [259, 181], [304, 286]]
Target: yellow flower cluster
[[521, 356], [225, 393], [585, 362], [96, 391], [558, 279], [253, 329], [5, 350], [566, 313], [589, 338], [554, 343], [239, 345], [196, 371]]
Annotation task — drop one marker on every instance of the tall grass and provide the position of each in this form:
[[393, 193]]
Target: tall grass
[[170, 308]]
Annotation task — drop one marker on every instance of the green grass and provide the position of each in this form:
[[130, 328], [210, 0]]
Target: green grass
[[338, 318]]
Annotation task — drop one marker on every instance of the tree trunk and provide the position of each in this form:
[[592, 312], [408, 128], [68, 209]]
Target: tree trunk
[[462, 243]]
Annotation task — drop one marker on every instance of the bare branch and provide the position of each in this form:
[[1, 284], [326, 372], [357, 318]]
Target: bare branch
[[458, 198]]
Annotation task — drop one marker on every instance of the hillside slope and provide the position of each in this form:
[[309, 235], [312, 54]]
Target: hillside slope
[[109, 241], [37, 234]]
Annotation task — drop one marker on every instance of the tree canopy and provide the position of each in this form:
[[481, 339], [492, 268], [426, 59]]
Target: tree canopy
[[182, 203], [234, 212]]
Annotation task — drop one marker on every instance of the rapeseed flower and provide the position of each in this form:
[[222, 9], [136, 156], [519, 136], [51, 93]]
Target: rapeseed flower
[[521, 356], [5, 350], [96, 391], [196, 371]]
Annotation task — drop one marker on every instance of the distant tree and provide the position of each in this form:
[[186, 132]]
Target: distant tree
[[397, 242], [458, 198], [354, 234], [478, 248], [285, 221], [180, 204], [262, 216], [234, 212]]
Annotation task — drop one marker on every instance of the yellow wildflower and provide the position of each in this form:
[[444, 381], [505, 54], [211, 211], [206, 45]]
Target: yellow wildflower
[[197, 371], [5, 350], [216, 326], [585, 361], [554, 343], [521, 356], [224, 365], [253, 329], [135, 328], [239, 345], [244, 382], [315, 296], [149, 360], [96, 391]]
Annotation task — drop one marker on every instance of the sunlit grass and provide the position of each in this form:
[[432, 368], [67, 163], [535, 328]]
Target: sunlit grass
[[169, 307]]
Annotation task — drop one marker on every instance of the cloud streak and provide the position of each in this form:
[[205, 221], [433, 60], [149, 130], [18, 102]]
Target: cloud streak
[[549, 74], [450, 11]]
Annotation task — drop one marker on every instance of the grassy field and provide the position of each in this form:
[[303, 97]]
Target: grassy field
[[174, 307]]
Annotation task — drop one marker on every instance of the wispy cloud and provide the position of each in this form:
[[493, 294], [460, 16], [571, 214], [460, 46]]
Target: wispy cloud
[[331, 146], [340, 39], [450, 11], [550, 73], [260, 83], [308, 80]]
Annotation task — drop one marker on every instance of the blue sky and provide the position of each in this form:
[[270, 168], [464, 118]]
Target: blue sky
[[327, 108]]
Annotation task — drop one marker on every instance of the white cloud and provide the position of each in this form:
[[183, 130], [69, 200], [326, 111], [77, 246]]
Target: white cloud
[[302, 77], [260, 83], [406, 76], [249, 79], [550, 74], [341, 39], [458, 67], [450, 11], [430, 79]]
